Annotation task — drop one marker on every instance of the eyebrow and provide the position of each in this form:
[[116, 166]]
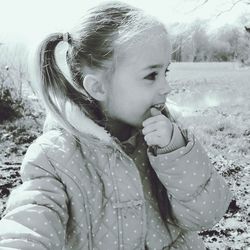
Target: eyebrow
[[156, 66]]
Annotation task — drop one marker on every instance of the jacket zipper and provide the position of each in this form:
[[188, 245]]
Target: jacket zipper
[[121, 152], [119, 215]]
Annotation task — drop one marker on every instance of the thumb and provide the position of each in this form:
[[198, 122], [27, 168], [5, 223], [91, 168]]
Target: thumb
[[155, 111]]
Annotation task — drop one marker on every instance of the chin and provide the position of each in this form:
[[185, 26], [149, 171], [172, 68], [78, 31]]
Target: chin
[[136, 124], [133, 123]]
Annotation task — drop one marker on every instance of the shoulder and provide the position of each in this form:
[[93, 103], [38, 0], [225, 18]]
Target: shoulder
[[54, 145]]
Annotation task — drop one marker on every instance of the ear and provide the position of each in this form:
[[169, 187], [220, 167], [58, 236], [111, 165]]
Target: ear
[[94, 87]]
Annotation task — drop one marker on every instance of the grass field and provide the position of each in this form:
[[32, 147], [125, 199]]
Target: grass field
[[214, 101]]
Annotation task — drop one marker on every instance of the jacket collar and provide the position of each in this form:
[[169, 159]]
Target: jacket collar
[[86, 125], [80, 122]]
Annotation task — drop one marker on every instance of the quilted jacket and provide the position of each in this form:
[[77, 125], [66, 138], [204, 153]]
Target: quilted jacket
[[88, 194]]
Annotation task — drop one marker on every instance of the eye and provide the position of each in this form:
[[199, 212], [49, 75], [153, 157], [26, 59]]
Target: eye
[[151, 76], [166, 72]]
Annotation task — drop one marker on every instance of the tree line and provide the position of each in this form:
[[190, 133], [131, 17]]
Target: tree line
[[194, 43]]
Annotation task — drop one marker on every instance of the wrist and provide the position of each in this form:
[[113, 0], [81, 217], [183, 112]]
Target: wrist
[[177, 141], [155, 149]]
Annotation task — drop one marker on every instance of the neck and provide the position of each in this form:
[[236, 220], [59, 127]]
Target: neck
[[119, 129]]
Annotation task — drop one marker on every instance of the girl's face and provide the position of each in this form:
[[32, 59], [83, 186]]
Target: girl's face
[[139, 80]]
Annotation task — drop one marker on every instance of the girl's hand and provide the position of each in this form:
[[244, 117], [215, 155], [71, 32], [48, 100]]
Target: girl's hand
[[157, 129]]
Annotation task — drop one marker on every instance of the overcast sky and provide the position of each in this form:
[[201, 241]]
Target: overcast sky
[[29, 20]]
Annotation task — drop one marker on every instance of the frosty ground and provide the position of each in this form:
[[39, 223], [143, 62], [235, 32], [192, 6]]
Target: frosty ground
[[214, 101]]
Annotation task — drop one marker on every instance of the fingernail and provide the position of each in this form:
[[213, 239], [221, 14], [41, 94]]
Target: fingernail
[[154, 111]]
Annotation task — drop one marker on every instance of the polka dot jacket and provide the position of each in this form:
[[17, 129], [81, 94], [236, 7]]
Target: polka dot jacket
[[90, 194]]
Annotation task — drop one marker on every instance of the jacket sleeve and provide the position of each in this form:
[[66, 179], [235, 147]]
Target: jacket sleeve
[[198, 194], [36, 212]]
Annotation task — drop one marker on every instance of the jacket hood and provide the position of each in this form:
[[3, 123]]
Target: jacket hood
[[80, 122]]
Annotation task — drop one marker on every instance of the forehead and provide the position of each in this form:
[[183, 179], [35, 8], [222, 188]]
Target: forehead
[[149, 48]]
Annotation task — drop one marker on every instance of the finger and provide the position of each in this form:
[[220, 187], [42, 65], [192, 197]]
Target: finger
[[155, 111], [154, 119], [157, 126], [149, 129], [152, 139]]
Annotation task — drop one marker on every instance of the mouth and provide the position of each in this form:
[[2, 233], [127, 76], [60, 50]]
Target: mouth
[[159, 106]]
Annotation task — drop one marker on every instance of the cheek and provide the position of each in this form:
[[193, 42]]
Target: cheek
[[120, 93], [127, 95], [117, 101]]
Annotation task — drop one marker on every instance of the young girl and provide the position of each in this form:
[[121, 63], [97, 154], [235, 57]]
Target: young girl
[[113, 170]]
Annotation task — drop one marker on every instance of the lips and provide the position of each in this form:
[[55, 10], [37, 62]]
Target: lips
[[159, 106]]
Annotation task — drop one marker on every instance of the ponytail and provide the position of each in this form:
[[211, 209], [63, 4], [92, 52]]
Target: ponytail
[[54, 88], [51, 76]]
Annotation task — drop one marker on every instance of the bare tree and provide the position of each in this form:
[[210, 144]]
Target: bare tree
[[191, 43], [231, 5], [13, 67]]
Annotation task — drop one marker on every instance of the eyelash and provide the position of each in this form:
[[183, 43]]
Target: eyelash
[[151, 76], [154, 74]]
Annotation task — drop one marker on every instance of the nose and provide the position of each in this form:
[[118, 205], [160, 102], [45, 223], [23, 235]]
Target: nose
[[164, 88]]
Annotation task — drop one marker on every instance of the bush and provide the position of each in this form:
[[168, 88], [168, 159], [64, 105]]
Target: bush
[[11, 107], [13, 75]]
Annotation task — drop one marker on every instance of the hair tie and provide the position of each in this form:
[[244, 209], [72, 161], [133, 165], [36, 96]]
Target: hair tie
[[66, 37]]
